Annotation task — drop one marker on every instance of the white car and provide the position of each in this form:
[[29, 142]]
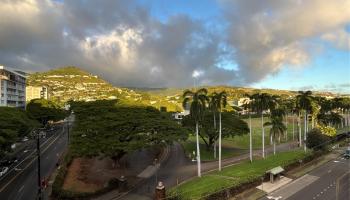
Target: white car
[[25, 139], [3, 171]]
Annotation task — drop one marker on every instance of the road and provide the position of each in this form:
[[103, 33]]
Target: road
[[321, 183], [179, 168], [21, 180]]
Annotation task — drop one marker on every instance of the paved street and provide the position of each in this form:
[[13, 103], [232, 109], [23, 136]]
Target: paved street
[[178, 168], [21, 180], [322, 184]]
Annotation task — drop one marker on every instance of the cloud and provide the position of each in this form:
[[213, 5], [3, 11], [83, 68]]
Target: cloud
[[118, 40], [122, 42], [338, 38], [269, 35]]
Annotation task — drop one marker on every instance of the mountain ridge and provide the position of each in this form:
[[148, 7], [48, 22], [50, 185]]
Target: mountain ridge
[[73, 83]]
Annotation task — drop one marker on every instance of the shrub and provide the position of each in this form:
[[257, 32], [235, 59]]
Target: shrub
[[316, 140], [328, 130]]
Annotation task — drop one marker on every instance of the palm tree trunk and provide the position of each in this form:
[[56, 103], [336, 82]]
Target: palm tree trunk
[[250, 139], [220, 141], [263, 135], [305, 130], [342, 120], [286, 136], [274, 147], [271, 141], [215, 149], [279, 138], [346, 118], [299, 124], [215, 140], [293, 127], [307, 122], [198, 152]]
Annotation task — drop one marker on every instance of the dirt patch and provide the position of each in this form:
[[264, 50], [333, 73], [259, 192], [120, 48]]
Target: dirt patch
[[90, 175], [74, 180]]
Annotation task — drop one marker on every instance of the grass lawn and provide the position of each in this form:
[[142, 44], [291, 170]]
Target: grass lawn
[[206, 155], [240, 144], [233, 175]]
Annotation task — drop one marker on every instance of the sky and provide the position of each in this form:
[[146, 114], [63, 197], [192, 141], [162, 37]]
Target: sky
[[290, 44]]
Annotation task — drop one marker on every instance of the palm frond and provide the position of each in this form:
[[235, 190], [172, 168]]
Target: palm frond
[[187, 93]]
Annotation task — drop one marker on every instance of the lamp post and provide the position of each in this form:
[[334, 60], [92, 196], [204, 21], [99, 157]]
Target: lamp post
[[156, 165]]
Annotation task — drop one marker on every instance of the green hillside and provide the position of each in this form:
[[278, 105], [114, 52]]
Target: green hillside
[[72, 83]]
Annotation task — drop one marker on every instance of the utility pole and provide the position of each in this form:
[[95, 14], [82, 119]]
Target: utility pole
[[38, 155]]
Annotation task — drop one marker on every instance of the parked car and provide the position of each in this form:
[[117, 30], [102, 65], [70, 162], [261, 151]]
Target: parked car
[[3, 171]]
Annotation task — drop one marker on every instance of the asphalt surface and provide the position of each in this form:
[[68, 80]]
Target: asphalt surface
[[178, 168], [20, 182], [330, 182]]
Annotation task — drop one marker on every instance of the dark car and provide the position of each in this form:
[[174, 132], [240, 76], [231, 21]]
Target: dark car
[[347, 154]]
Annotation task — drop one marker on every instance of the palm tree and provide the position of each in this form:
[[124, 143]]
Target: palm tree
[[213, 106], [247, 105], [221, 103], [198, 101], [290, 108], [261, 103], [277, 127], [304, 104]]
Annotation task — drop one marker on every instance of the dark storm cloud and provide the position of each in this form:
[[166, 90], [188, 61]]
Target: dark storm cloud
[[118, 40], [123, 43]]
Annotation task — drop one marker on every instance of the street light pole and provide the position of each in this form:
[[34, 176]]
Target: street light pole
[[38, 155]]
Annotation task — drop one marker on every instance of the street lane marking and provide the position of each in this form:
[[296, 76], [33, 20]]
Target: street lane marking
[[20, 172], [29, 156], [20, 189]]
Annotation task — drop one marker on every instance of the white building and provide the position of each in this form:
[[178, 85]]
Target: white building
[[12, 87], [36, 92]]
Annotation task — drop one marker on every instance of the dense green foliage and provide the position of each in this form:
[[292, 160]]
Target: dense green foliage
[[110, 129], [14, 124], [317, 140], [44, 110]]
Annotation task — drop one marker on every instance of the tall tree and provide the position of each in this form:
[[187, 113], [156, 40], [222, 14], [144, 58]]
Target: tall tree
[[304, 100], [261, 103], [198, 102], [222, 102], [247, 105], [213, 106], [277, 126]]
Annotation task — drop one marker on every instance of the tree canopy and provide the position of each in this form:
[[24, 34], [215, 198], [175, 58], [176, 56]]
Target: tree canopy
[[14, 123], [110, 129], [44, 110]]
